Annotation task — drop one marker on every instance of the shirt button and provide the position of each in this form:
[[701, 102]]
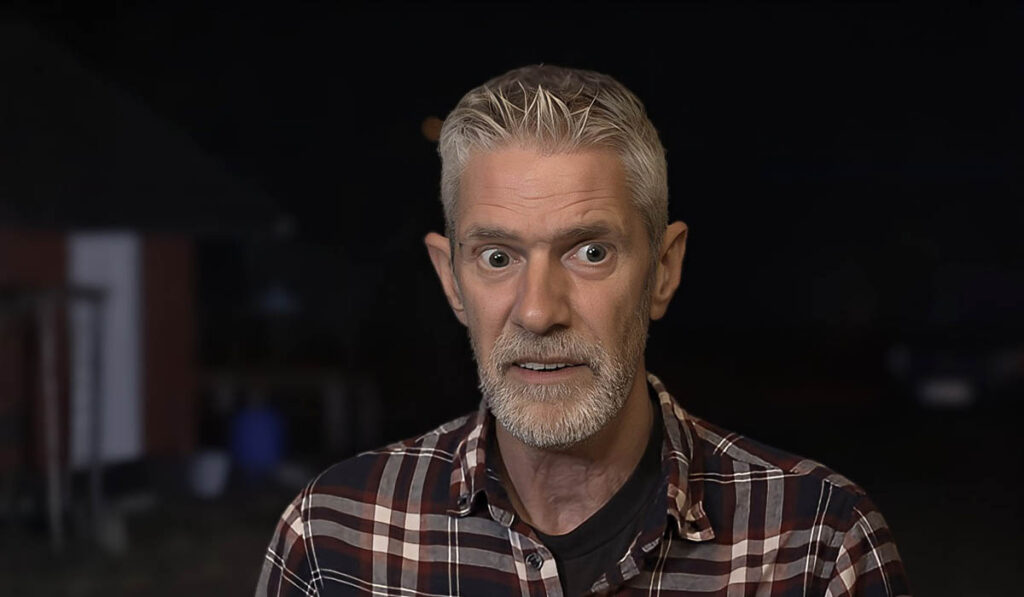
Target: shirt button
[[535, 560]]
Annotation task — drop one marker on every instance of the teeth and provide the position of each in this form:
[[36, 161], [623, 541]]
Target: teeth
[[543, 366]]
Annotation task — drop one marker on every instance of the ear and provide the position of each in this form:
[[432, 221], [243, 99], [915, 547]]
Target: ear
[[670, 266], [440, 251]]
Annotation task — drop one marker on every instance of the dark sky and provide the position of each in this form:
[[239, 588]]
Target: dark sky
[[870, 151], [853, 168]]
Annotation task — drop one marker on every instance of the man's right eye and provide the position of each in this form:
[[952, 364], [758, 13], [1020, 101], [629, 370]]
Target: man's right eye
[[496, 258]]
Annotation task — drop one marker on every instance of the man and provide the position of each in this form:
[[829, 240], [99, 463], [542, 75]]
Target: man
[[579, 473]]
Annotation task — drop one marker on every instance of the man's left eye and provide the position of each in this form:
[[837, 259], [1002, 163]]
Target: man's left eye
[[592, 253]]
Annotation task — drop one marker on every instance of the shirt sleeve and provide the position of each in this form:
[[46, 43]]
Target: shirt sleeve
[[868, 564], [286, 567]]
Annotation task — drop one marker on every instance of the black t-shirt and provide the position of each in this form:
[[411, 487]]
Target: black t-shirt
[[599, 543]]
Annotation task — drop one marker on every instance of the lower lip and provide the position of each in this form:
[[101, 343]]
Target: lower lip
[[547, 376]]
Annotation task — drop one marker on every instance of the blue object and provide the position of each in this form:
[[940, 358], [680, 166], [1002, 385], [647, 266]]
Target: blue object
[[257, 440]]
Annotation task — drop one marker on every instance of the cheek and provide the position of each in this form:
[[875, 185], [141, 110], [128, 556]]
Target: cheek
[[607, 312], [487, 312]]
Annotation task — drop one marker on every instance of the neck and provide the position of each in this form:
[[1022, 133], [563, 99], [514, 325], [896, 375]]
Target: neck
[[556, 490]]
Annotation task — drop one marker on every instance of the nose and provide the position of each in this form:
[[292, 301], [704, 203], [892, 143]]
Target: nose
[[542, 297]]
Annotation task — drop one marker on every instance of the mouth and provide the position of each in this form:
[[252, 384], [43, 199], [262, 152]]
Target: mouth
[[546, 371], [539, 366]]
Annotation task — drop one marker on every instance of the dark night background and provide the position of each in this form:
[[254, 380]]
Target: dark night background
[[850, 175]]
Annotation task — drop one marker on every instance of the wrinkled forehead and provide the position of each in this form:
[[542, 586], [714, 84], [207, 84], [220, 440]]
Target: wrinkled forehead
[[524, 186]]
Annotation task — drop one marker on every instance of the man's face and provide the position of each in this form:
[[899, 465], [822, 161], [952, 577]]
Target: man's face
[[552, 266]]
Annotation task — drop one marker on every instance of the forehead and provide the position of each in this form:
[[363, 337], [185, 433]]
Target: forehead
[[531, 189]]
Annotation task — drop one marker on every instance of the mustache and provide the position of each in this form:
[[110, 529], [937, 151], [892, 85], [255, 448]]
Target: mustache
[[517, 345]]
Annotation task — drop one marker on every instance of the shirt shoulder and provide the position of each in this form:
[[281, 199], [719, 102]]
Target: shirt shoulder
[[416, 470], [727, 452], [802, 504], [330, 530], [800, 494]]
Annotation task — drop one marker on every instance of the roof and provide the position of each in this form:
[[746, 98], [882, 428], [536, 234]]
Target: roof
[[78, 151]]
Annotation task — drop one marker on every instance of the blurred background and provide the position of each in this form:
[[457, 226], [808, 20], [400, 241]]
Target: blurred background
[[212, 281]]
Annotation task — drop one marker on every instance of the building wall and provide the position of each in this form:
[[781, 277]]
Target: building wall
[[151, 411]]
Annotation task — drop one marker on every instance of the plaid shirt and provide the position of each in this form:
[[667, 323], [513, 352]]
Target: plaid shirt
[[429, 517]]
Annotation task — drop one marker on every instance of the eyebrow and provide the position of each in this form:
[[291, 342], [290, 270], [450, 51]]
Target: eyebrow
[[572, 233]]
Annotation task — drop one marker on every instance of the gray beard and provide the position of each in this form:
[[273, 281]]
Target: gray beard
[[561, 415]]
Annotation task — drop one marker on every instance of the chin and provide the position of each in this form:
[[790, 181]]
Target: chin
[[554, 422]]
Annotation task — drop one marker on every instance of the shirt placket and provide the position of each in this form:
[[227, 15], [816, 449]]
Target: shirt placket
[[647, 543], [535, 564]]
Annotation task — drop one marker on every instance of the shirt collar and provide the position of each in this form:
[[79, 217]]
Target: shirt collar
[[682, 464], [469, 467], [681, 460]]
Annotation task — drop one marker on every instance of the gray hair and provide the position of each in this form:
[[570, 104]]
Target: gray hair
[[558, 110]]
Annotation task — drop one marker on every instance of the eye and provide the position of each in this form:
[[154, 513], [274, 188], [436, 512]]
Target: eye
[[496, 258], [592, 253]]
